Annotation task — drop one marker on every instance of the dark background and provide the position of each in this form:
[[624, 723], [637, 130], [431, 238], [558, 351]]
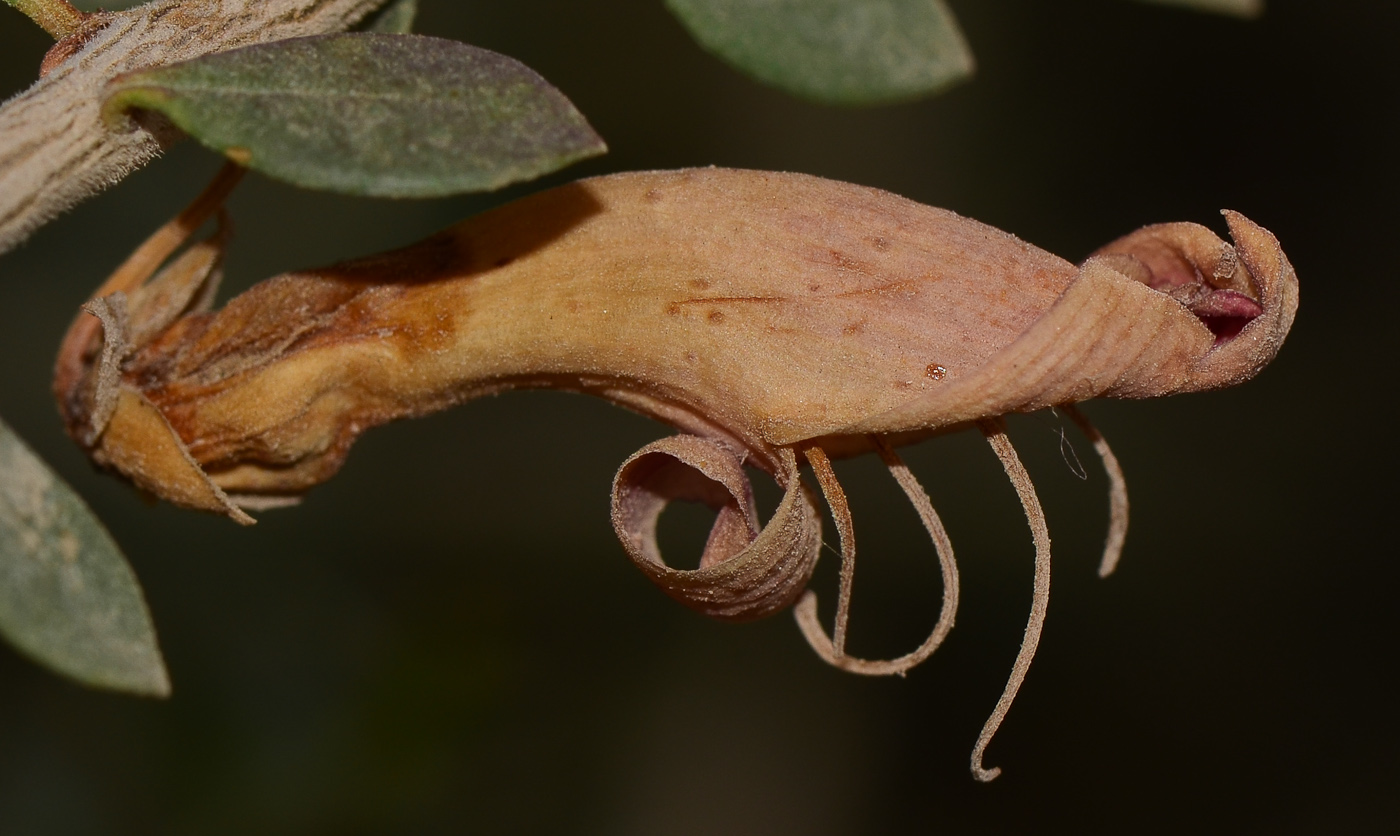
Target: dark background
[[447, 637]]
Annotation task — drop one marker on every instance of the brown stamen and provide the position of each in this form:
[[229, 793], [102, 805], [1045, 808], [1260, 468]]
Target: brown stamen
[[806, 610], [1117, 492], [995, 431]]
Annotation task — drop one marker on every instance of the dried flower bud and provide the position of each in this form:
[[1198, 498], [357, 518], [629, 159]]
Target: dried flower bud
[[767, 314]]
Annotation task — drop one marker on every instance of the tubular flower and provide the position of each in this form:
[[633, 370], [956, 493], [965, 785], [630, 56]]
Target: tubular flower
[[773, 319]]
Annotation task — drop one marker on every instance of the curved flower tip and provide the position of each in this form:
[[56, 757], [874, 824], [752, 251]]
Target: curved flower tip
[[1167, 309], [1245, 296]]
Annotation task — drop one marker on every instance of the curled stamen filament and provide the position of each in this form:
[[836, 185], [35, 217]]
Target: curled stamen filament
[[832, 650], [995, 431], [841, 514], [1117, 492]]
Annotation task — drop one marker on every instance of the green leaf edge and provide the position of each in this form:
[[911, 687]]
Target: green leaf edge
[[156, 683], [964, 57]]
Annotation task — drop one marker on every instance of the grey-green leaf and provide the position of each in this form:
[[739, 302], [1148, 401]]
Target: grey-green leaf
[[851, 52], [68, 599], [395, 18], [369, 114], [1237, 8]]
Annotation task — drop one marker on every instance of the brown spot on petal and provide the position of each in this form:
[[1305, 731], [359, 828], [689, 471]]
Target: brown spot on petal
[[846, 262]]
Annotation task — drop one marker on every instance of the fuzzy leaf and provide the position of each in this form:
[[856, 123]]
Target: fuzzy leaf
[[849, 52], [1236, 8], [68, 599], [369, 114], [396, 18]]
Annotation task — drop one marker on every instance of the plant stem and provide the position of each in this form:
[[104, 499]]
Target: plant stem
[[58, 17], [54, 148]]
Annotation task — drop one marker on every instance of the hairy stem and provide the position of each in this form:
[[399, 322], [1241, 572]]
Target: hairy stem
[[57, 17], [55, 150]]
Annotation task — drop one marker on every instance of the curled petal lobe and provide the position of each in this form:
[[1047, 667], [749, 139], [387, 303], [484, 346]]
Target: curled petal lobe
[[745, 573]]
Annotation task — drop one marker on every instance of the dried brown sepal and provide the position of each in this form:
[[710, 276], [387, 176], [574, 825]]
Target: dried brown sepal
[[140, 441], [77, 359], [187, 285]]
